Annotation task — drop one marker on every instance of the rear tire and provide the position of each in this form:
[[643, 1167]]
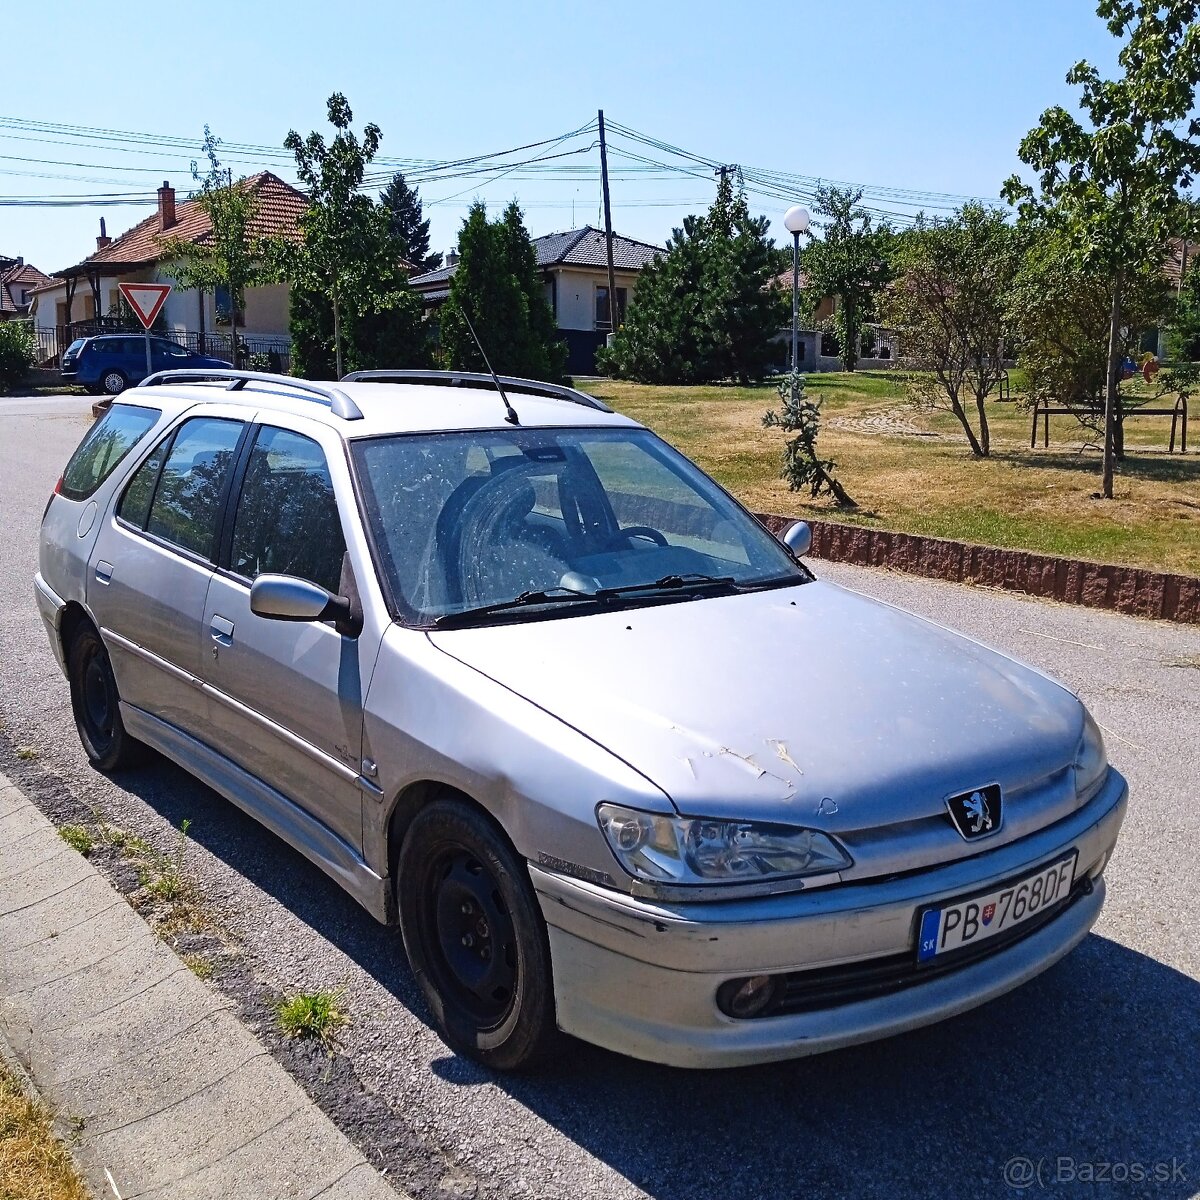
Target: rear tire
[[112, 383], [96, 702], [475, 937]]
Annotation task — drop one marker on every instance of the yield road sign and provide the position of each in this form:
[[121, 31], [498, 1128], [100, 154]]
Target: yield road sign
[[146, 299]]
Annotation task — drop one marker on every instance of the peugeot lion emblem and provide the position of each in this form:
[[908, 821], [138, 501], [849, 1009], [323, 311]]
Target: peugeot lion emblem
[[976, 813]]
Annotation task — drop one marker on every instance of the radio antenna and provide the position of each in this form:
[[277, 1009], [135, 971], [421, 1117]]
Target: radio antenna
[[512, 412]]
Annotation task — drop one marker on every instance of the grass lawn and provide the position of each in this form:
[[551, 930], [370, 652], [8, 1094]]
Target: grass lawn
[[1026, 499]]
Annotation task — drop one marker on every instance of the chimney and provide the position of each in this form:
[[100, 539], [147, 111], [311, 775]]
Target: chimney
[[103, 240], [166, 205], [452, 258]]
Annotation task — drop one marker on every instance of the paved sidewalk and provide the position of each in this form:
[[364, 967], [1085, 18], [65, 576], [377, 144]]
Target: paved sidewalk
[[175, 1097]]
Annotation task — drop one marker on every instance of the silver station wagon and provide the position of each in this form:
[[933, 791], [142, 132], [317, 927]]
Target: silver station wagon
[[522, 678]]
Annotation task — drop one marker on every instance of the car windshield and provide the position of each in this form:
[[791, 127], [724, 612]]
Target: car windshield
[[536, 520]]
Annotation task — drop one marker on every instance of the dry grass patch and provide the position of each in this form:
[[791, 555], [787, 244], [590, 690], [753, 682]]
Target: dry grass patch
[[34, 1164], [1039, 500]]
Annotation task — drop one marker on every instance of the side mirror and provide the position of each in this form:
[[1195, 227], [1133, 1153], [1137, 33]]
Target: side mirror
[[287, 598], [798, 538]]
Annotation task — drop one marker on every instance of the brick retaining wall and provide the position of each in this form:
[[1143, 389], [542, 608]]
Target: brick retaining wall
[[1131, 590]]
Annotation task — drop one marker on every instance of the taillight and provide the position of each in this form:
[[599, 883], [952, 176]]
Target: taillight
[[57, 492]]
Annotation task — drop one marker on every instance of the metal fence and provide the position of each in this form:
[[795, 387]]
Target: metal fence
[[266, 352]]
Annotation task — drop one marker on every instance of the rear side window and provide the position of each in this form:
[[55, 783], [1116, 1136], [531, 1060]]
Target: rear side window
[[106, 443], [187, 500], [135, 504], [287, 516]]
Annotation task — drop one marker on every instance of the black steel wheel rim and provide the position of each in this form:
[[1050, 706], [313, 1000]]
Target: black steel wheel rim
[[473, 938], [97, 699]]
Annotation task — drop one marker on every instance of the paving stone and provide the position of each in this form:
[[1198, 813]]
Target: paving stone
[[173, 1093]]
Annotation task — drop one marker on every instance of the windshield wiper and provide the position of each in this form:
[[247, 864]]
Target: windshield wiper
[[691, 581], [524, 600], [672, 583]]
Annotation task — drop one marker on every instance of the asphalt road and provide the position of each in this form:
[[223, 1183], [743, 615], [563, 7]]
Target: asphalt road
[[1091, 1073]]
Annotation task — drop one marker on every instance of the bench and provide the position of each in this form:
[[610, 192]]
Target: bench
[[1178, 415]]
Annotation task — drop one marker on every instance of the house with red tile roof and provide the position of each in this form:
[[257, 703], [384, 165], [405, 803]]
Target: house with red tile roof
[[18, 280], [83, 297]]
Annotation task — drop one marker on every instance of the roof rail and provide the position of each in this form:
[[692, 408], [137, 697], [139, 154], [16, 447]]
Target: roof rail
[[339, 403], [530, 387]]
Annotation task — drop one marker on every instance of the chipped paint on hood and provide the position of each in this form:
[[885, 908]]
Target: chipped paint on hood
[[805, 704]]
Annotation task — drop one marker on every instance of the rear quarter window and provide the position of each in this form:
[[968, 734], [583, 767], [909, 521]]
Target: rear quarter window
[[106, 444]]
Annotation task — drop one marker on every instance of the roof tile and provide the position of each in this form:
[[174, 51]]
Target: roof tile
[[280, 207]]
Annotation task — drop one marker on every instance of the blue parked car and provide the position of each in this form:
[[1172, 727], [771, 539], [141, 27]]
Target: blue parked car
[[111, 362]]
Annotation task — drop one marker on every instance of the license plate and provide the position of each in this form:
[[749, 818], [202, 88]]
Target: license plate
[[974, 920]]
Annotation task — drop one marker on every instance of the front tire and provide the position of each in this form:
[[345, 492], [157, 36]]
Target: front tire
[[475, 937], [96, 702]]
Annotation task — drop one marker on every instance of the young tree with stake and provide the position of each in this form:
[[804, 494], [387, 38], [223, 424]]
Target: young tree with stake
[[1111, 183]]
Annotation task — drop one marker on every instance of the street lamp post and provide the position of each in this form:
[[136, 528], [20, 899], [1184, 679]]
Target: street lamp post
[[795, 221]]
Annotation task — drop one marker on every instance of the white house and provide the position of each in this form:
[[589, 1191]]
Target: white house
[[84, 298], [574, 266]]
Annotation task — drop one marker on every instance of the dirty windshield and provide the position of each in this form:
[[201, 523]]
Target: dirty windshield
[[554, 518]]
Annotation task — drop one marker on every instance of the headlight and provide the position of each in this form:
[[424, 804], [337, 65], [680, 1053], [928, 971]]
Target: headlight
[[1091, 761], [699, 850]]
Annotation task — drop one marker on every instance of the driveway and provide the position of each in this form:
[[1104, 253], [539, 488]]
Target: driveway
[[1091, 1073]]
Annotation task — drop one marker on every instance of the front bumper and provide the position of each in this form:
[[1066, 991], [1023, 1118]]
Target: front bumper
[[641, 978]]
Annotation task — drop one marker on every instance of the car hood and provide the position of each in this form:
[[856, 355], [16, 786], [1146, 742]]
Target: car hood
[[809, 703]]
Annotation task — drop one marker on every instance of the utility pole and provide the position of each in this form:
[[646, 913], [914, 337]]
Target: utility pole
[[612, 278]]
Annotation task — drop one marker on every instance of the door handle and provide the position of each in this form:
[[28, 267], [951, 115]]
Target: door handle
[[104, 572], [221, 630]]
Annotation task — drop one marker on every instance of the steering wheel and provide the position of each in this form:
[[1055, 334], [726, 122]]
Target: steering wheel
[[638, 531]]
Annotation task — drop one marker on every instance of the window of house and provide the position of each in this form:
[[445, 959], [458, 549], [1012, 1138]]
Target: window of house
[[222, 306], [187, 500], [602, 319], [287, 517]]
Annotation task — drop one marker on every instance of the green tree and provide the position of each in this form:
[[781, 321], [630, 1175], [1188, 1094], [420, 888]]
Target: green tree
[[850, 262], [348, 257], [404, 208], [1059, 311], [230, 257], [744, 307], [708, 308], [661, 340], [498, 286], [948, 303], [1112, 186]]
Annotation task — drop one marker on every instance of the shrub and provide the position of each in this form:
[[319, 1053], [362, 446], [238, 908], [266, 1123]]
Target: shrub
[[17, 353]]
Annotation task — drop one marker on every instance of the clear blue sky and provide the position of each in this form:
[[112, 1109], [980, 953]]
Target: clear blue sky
[[931, 95]]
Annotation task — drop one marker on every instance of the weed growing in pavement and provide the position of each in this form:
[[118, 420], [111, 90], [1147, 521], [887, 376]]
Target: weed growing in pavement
[[312, 1015], [119, 840], [78, 837], [200, 965], [27, 753]]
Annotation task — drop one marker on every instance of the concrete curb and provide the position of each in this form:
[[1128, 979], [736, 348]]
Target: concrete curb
[[176, 1097], [1141, 593]]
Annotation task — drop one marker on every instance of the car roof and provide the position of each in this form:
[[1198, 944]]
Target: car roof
[[431, 402]]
